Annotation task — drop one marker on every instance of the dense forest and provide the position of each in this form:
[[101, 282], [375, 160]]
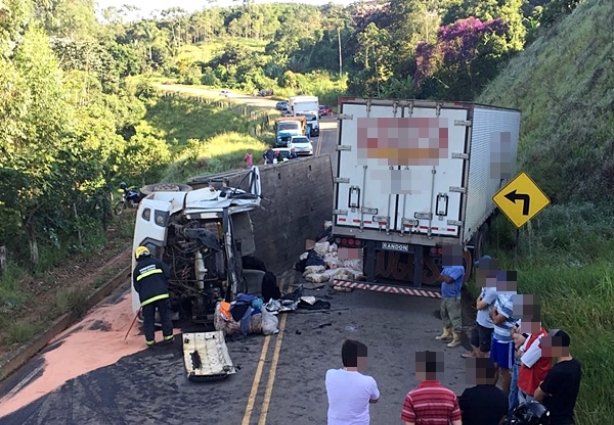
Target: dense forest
[[72, 111]]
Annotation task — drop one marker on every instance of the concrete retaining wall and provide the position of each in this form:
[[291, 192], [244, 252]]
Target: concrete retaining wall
[[298, 198]]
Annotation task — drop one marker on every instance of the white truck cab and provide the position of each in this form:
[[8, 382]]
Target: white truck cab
[[202, 235]]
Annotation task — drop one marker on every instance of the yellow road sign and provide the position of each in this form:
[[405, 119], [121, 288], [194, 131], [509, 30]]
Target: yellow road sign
[[521, 199]]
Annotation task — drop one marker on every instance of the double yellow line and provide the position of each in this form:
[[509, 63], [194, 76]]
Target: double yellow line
[[251, 401]]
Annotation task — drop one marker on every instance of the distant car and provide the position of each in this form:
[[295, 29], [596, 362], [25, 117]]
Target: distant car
[[225, 92], [281, 106], [302, 145], [284, 154], [265, 92], [325, 110]]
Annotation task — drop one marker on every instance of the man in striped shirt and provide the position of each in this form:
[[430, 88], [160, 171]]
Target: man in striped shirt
[[502, 348], [430, 403]]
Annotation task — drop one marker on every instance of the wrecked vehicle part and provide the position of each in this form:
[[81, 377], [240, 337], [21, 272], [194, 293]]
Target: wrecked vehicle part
[[202, 235]]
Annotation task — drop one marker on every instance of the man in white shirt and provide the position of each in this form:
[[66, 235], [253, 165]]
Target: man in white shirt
[[481, 335], [349, 391]]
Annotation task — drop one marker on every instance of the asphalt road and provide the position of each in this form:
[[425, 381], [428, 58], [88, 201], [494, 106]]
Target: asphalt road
[[244, 99], [151, 387]]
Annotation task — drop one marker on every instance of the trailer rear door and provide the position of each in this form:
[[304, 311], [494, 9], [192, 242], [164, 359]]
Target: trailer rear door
[[401, 168]]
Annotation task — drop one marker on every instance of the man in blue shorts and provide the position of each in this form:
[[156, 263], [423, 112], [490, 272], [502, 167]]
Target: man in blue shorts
[[502, 347]]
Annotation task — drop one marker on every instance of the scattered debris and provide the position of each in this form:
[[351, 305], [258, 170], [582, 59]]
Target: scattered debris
[[323, 325], [322, 263]]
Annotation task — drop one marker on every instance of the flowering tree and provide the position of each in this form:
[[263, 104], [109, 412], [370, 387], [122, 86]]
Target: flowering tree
[[462, 60]]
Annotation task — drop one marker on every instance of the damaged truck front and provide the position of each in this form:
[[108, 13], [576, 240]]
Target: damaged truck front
[[202, 234]]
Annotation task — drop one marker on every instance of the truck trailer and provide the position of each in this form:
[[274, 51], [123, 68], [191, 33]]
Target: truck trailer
[[307, 106], [202, 231], [414, 176]]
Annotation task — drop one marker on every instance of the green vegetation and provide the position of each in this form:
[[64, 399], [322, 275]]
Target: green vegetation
[[563, 84], [216, 154]]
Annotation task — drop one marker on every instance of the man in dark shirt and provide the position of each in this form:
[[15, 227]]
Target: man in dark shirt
[[484, 404], [559, 390]]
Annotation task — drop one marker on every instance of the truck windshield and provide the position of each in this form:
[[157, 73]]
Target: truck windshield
[[288, 126]]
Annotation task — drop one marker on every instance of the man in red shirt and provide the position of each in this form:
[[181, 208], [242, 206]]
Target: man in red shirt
[[430, 403], [534, 365]]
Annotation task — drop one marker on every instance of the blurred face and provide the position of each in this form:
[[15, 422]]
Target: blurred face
[[551, 348], [528, 310], [452, 255], [506, 282], [362, 364]]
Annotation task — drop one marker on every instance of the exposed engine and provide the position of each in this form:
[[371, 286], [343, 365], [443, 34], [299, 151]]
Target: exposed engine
[[195, 252]]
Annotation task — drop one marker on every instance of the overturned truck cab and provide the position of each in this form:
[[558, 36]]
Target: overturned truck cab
[[202, 234]]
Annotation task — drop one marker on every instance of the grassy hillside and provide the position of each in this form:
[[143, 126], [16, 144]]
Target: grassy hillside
[[563, 85]]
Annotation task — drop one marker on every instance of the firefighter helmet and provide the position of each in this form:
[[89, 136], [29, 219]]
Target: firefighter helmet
[[141, 251]]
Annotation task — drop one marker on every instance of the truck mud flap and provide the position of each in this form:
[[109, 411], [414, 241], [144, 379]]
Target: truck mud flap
[[390, 289], [206, 357]]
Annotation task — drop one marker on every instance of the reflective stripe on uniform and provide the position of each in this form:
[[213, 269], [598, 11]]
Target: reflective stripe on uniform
[[154, 299], [150, 342], [149, 273], [168, 338]]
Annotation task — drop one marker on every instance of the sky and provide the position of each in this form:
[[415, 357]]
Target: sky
[[148, 6]]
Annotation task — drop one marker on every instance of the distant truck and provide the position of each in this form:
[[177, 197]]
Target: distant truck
[[286, 128], [414, 176], [309, 107]]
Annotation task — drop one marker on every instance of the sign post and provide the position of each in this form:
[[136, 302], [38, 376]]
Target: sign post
[[521, 199]]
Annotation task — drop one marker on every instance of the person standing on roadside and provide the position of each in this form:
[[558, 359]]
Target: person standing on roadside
[[350, 392], [485, 403], [502, 348], [534, 364], [430, 403], [559, 391], [451, 279], [249, 159], [481, 334], [150, 280]]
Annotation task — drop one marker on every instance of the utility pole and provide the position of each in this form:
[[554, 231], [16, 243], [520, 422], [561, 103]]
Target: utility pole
[[340, 57]]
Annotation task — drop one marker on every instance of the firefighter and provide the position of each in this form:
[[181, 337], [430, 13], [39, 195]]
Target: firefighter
[[150, 281]]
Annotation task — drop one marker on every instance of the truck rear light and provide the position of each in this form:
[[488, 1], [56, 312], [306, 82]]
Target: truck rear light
[[337, 241], [351, 242], [357, 243]]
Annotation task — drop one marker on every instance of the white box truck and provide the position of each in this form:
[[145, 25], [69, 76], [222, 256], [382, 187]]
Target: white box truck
[[308, 106], [414, 176]]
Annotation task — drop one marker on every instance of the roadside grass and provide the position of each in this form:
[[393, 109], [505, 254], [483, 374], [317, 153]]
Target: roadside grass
[[73, 300], [565, 259], [181, 118], [217, 154], [20, 332], [12, 295], [204, 52]]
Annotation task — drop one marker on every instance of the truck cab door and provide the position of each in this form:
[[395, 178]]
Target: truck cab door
[[150, 229]]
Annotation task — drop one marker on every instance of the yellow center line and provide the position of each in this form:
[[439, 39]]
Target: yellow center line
[[269, 386], [249, 408]]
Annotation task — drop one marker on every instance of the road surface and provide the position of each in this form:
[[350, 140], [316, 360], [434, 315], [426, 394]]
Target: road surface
[[281, 378]]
